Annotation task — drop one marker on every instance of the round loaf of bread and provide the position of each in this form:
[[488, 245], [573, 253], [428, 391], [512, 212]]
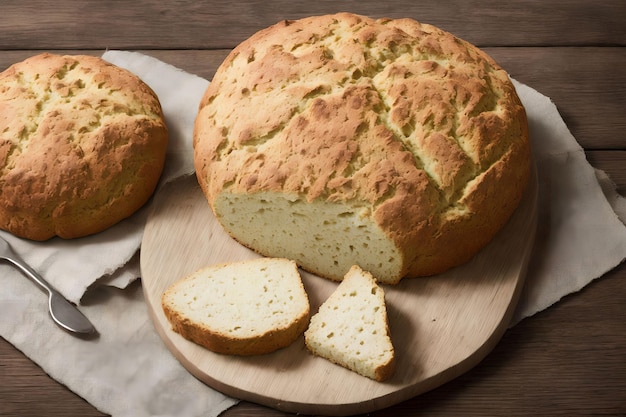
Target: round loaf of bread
[[338, 140], [82, 146]]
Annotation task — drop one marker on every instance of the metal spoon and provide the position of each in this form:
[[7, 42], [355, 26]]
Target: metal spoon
[[62, 311]]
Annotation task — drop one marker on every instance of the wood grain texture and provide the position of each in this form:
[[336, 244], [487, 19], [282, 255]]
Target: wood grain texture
[[568, 360], [440, 326], [553, 364], [613, 164], [189, 24], [588, 86]]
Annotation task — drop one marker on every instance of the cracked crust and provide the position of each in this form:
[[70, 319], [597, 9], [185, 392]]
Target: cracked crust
[[420, 131], [82, 146]]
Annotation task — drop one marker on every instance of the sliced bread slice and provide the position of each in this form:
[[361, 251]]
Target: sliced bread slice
[[351, 328], [250, 307]]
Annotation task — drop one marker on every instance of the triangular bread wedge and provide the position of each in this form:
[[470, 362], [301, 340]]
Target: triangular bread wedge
[[249, 307], [351, 328]]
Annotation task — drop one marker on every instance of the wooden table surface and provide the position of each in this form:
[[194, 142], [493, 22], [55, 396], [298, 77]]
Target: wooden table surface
[[569, 359]]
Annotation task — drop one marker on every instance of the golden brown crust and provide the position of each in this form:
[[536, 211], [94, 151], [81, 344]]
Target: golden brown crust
[[212, 307], [386, 372], [395, 115], [82, 146], [225, 344]]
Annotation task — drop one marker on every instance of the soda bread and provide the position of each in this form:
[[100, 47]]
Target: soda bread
[[339, 140], [243, 308], [82, 146], [351, 330]]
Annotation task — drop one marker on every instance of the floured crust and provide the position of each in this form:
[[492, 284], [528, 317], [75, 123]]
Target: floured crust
[[420, 128], [82, 146]]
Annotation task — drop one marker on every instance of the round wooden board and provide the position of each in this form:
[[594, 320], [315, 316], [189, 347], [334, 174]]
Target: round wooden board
[[440, 326]]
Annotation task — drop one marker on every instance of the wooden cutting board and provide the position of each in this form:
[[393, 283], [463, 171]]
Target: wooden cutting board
[[440, 326]]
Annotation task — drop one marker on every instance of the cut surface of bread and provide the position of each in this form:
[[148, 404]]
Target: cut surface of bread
[[341, 140], [351, 327], [324, 237], [249, 307], [82, 146]]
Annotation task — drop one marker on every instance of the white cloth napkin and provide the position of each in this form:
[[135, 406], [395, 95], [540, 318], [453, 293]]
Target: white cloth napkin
[[580, 234], [127, 371]]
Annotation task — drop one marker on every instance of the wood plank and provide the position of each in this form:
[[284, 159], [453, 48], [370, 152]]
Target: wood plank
[[189, 24], [613, 163], [26, 390], [588, 86], [562, 354]]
